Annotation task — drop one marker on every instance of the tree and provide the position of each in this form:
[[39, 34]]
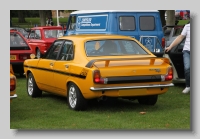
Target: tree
[[42, 14], [21, 18], [162, 17], [170, 17]]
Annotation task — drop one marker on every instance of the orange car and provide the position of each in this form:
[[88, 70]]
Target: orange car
[[83, 67], [12, 84]]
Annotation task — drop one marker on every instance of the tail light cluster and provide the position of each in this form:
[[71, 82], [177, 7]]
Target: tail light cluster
[[168, 76], [24, 56], [163, 42], [12, 83], [98, 79]]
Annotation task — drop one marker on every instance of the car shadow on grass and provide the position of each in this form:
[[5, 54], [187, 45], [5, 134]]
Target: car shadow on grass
[[108, 104]]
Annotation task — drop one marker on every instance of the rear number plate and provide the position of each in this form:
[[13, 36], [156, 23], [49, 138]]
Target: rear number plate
[[12, 57]]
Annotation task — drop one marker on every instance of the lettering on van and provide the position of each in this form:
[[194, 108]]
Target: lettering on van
[[93, 22]]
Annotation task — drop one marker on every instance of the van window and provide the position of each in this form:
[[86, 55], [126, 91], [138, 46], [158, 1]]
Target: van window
[[127, 22], [147, 23], [72, 24]]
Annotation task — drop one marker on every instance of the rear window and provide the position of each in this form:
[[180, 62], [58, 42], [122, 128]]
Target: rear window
[[147, 23], [113, 48], [127, 22], [53, 33], [17, 42]]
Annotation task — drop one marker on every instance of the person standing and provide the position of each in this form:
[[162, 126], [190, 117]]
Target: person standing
[[186, 54]]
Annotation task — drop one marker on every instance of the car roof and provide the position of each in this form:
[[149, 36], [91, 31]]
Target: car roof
[[103, 11], [95, 36]]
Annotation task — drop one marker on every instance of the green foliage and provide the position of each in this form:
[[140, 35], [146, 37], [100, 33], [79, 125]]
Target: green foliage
[[30, 22], [172, 112]]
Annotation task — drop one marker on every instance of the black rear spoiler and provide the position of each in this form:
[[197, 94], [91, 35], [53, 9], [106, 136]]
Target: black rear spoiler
[[107, 61]]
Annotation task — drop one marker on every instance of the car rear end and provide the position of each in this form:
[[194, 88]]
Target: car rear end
[[12, 84], [129, 70], [19, 52], [130, 77]]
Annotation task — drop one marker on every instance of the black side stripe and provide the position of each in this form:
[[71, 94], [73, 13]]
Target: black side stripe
[[56, 71]]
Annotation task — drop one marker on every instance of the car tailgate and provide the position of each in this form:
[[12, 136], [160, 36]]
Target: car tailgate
[[132, 69]]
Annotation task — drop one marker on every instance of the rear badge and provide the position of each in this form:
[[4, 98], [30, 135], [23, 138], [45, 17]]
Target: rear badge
[[156, 70]]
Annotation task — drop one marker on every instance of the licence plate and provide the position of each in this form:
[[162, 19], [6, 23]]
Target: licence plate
[[133, 92], [12, 57]]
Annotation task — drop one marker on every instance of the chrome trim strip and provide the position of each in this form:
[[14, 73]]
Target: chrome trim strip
[[14, 96], [131, 87]]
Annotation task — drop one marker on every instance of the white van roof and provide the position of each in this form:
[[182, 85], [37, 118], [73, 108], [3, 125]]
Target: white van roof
[[103, 11]]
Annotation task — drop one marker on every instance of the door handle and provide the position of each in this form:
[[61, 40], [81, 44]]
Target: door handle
[[51, 64]]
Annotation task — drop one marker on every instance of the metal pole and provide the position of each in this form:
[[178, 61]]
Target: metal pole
[[57, 19]]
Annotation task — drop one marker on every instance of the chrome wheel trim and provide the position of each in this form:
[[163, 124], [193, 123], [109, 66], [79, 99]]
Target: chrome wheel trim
[[30, 86], [72, 97]]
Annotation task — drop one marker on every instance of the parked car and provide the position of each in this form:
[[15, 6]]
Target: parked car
[[175, 55], [19, 51], [83, 67], [40, 38], [23, 31], [12, 84]]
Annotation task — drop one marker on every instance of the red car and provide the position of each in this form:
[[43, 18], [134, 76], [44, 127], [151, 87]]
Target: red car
[[19, 51], [40, 38]]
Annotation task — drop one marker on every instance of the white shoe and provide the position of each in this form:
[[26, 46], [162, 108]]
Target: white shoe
[[186, 90]]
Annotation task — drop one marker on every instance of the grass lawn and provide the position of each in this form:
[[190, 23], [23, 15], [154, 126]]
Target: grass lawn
[[171, 112]]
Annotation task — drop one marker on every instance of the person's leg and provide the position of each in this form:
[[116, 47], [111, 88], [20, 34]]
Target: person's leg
[[186, 62]]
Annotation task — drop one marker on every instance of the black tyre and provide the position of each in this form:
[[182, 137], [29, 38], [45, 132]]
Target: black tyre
[[148, 100], [32, 88], [38, 53], [75, 99]]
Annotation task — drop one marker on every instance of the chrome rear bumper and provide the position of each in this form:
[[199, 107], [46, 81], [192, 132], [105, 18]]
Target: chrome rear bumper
[[14, 96], [131, 87]]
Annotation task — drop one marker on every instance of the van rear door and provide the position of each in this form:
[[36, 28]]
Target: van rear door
[[150, 31], [127, 24]]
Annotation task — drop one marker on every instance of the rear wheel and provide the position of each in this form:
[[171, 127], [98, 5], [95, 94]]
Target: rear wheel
[[75, 99], [38, 53], [148, 100], [32, 87]]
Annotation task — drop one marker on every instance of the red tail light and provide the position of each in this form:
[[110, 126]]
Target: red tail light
[[97, 77], [168, 76], [12, 83], [163, 42], [24, 56]]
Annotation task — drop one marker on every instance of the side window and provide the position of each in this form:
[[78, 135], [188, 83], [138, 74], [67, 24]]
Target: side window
[[67, 51], [37, 34], [127, 22], [32, 34], [54, 50], [72, 24], [147, 23]]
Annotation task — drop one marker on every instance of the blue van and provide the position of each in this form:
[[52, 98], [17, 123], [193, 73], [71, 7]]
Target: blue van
[[145, 26]]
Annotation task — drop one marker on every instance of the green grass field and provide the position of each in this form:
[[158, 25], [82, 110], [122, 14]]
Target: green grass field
[[30, 22], [171, 112]]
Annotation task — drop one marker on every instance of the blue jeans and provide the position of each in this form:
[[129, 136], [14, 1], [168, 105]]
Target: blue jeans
[[186, 62]]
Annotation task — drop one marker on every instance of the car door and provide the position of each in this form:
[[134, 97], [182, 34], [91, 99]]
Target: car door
[[176, 57], [46, 66], [62, 67]]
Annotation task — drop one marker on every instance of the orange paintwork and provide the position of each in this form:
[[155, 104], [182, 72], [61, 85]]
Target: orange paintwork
[[12, 84]]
